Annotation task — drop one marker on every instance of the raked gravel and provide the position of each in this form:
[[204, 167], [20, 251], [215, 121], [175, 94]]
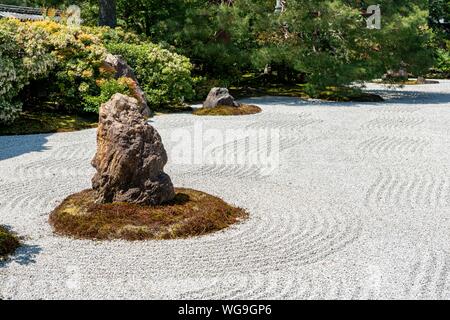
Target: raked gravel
[[359, 207]]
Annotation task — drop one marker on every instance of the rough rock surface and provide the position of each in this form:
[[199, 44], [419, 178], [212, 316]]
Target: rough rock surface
[[130, 156], [219, 97], [122, 69]]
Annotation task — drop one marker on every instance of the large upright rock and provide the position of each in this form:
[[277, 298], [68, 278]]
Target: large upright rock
[[219, 97], [130, 156], [122, 69]]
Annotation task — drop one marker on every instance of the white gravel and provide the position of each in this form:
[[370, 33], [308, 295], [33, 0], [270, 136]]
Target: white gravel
[[358, 208]]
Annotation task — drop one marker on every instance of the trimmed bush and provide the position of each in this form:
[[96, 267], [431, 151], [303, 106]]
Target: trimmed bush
[[51, 65], [117, 35], [23, 57], [107, 89], [47, 62], [75, 76], [443, 61], [164, 76]]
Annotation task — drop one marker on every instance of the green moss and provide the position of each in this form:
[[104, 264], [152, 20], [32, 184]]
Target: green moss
[[44, 122], [243, 109], [341, 94], [8, 242], [348, 95], [409, 82]]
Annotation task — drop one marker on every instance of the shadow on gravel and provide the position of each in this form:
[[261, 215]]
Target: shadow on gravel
[[24, 255], [391, 96], [412, 97], [14, 146]]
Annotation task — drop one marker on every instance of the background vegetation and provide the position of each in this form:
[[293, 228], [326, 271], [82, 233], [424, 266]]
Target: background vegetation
[[50, 66], [180, 48]]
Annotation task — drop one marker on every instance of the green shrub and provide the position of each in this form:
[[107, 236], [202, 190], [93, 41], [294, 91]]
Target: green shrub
[[107, 89], [55, 64], [117, 35], [79, 59], [23, 57], [443, 61], [164, 76], [49, 64]]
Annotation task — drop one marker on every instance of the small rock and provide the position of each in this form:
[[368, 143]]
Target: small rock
[[130, 156], [219, 97]]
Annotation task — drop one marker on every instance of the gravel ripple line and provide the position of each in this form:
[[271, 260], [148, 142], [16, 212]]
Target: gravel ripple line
[[301, 243], [19, 196], [429, 277], [411, 189], [395, 123], [53, 169], [396, 109], [393, 146]]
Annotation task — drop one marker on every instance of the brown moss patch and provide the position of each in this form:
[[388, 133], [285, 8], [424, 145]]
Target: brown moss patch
[[191, 213], [8, 242], [243, 109]]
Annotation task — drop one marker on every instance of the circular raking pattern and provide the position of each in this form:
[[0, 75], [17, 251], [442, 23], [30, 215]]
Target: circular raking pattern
[[360, 192]]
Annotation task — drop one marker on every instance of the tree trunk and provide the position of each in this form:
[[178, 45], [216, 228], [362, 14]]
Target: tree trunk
[[107, 14]]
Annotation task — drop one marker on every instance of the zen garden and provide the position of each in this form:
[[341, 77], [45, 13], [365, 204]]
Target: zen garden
[[224, 149]]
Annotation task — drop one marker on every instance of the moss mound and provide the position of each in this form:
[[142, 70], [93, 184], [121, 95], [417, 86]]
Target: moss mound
[[8, 242], [409, 82], [191, 213], [243, 109]]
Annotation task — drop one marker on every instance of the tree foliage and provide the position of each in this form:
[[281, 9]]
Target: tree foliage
[[323, 42]]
